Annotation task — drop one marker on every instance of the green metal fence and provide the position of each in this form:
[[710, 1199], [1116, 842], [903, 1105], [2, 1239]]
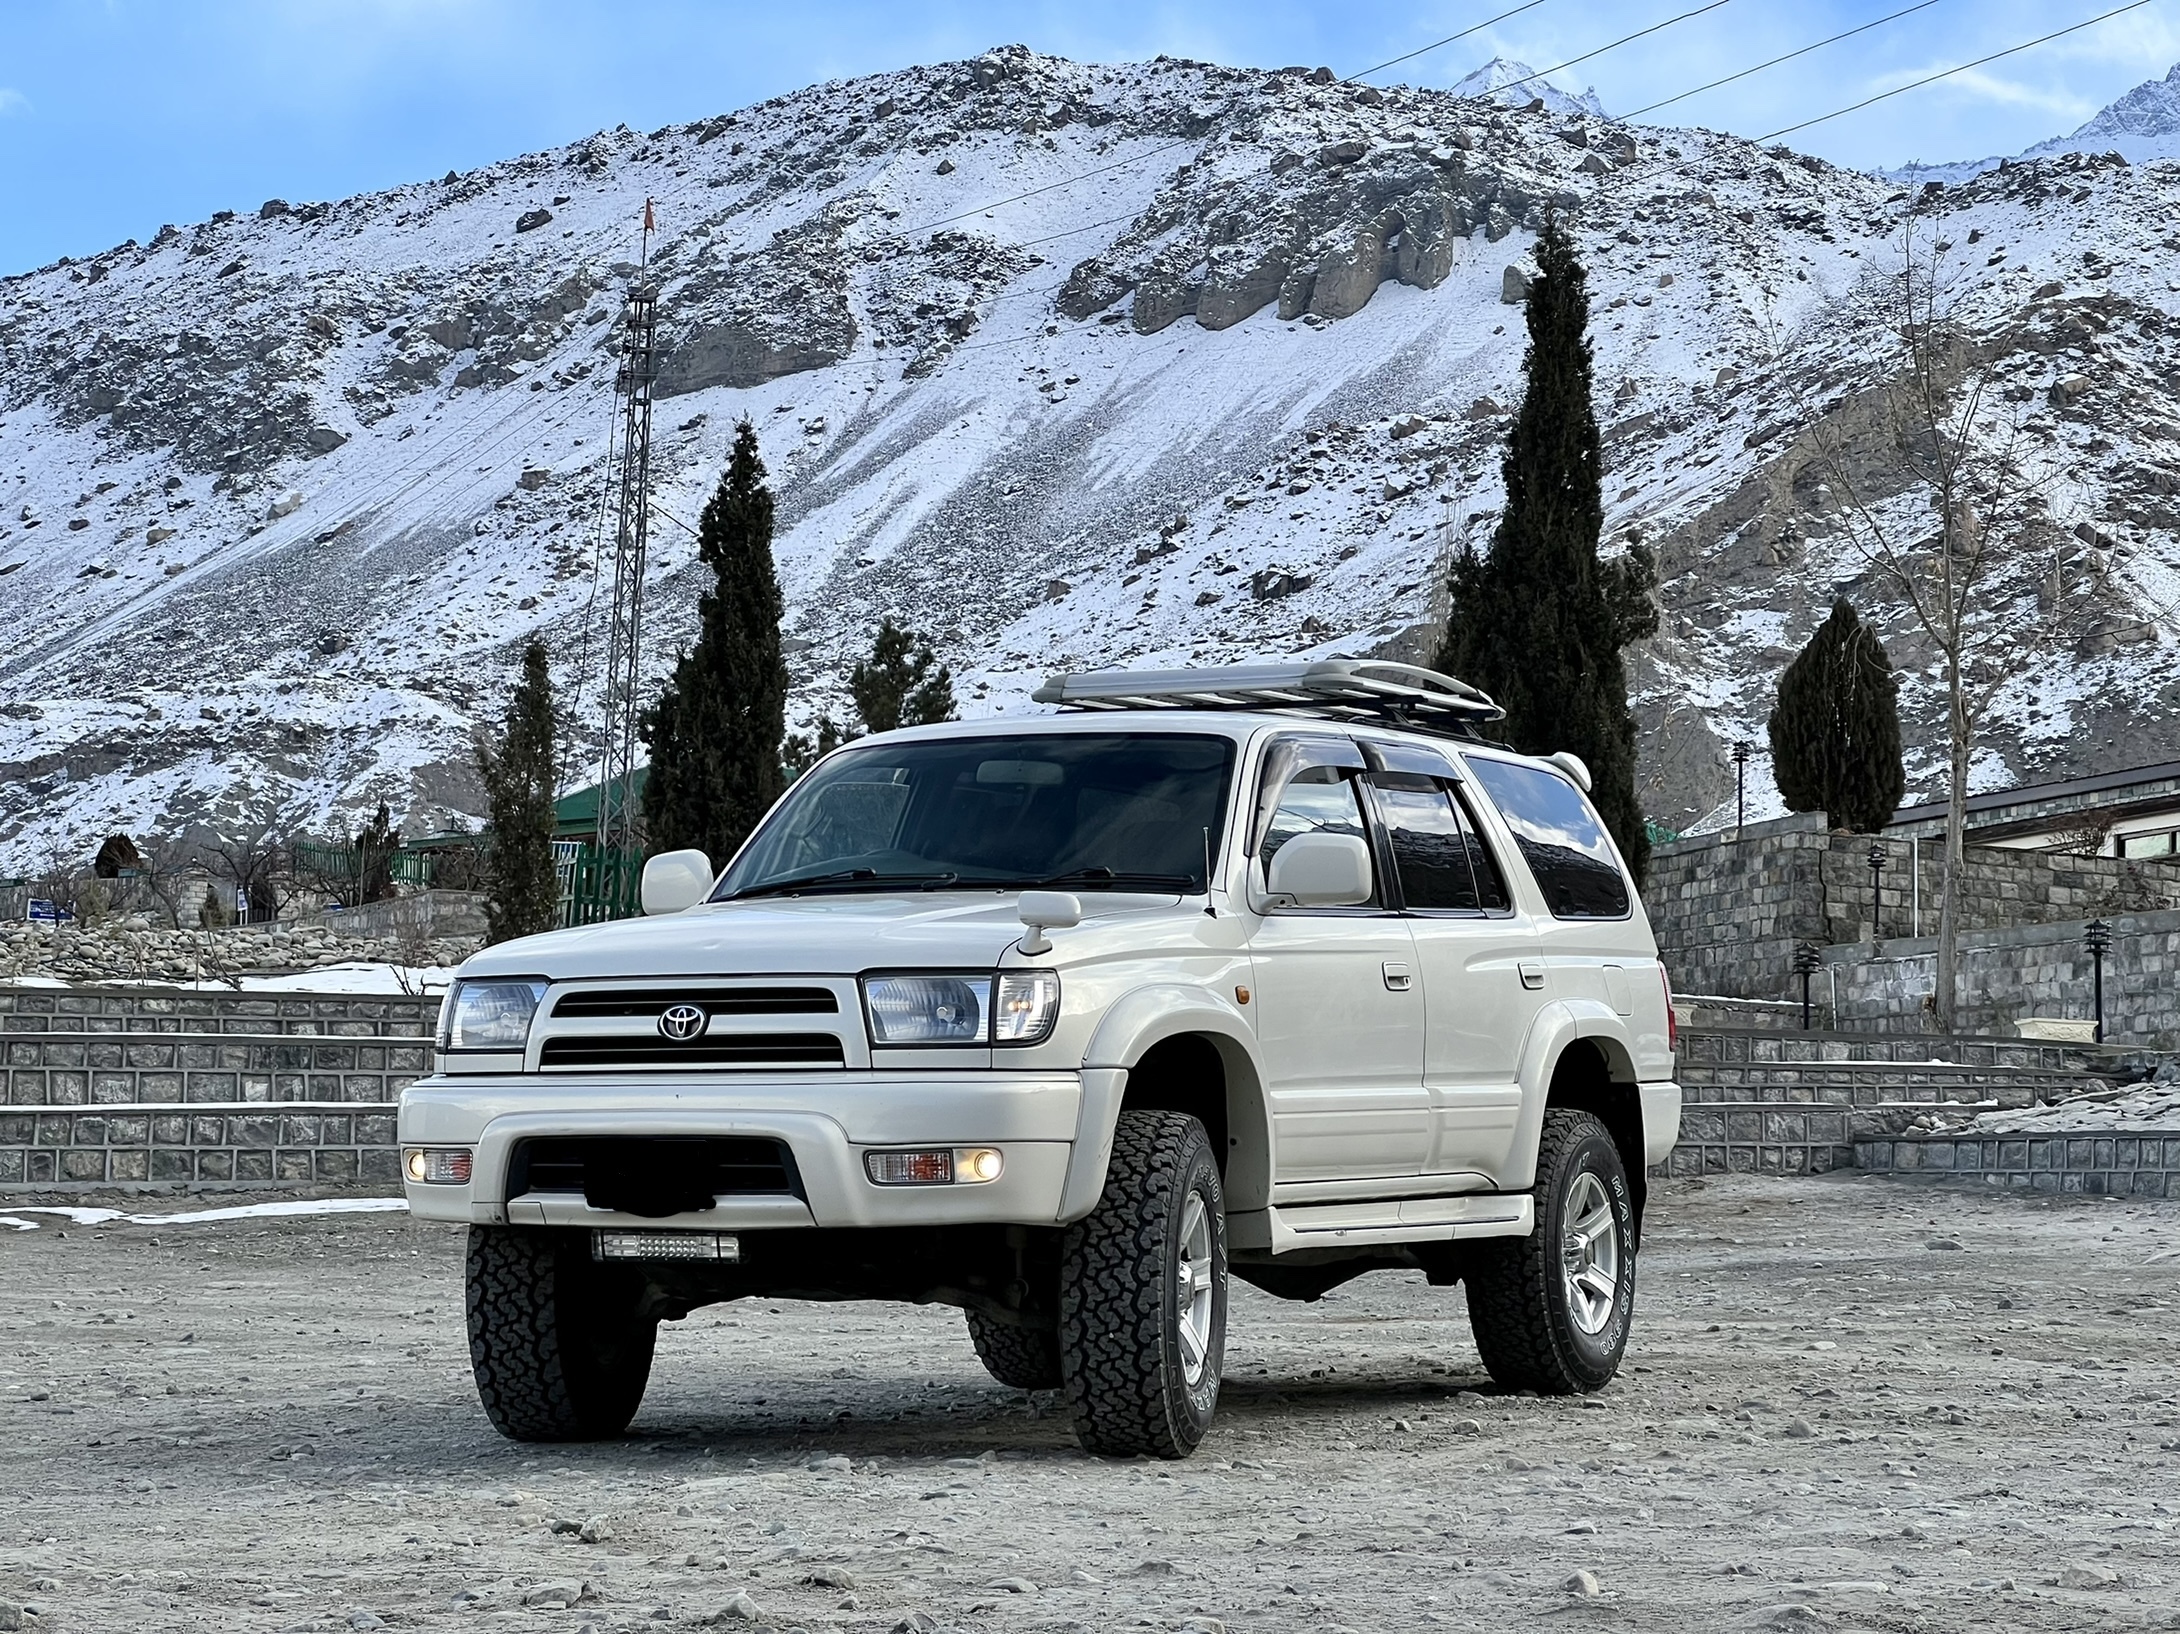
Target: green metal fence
[[597, 884]]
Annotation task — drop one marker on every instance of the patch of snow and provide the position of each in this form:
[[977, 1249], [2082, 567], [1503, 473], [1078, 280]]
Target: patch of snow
[[210, 1216]]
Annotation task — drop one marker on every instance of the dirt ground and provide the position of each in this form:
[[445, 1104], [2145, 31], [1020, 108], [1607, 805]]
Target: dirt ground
[[1850, 1403]]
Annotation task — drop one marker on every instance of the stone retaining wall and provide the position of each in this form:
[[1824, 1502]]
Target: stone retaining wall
[[116, 1009], [301, 1143], [90, 1069], [2027, 970], [1729, 909], [2115, 1165]]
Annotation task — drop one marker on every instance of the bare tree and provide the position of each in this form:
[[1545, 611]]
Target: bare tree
[[1933, 471], [252, 854]]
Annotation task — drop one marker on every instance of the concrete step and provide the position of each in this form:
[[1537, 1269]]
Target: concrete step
[[65, 1068], [1755, 1045], [119, 1009]]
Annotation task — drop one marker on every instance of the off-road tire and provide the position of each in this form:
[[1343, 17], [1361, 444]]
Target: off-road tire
[[1518, 1303], [556, 1342], [1121, 1357], [1019, 1358]]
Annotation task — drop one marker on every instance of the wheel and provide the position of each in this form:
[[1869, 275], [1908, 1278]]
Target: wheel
[[557, 1343], [1020, 1358], [1550, 1311], [1143, 1294]]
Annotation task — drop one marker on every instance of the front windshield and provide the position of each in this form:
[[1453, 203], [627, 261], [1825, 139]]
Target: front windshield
[[1118, 811]]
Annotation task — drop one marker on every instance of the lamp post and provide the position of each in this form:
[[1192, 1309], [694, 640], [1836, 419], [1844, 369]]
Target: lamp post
[[1877, 878], [2098, 937], [1806, 960], [1740, 785]]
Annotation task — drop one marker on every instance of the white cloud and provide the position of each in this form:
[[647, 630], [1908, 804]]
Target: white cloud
[[2010, 93], [13, 101]]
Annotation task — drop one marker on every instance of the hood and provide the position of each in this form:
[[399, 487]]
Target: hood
[[839, 935]]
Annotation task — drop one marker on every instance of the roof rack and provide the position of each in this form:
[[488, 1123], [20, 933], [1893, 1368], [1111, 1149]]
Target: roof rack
[[1343, 688]]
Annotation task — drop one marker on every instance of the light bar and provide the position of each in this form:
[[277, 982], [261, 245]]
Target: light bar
[[716, 1246]]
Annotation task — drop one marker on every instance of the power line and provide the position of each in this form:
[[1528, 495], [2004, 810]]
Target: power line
[[1863, 28], [1614, 45], [1424, 50], [1932, 79]]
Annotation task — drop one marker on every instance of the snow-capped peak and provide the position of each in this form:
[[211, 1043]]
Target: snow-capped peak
[[2142, 127], [1515, 85]]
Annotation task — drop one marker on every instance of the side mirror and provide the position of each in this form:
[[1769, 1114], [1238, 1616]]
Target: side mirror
[[674, 880], [1041, 911], [1320, 870]]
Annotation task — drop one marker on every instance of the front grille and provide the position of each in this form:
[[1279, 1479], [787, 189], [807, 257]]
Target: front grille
[[653, 1176], [717, 1001], [717, 1050]]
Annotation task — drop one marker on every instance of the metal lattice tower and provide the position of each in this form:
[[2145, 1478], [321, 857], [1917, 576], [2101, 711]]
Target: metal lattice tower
[[631, 542]]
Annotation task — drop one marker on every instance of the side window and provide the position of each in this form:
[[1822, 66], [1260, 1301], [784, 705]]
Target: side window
[[1559, 837], [1320, 798], [1443, 862]]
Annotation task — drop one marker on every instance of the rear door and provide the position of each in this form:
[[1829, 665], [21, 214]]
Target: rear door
[[1477, 959], [1337, 1004]]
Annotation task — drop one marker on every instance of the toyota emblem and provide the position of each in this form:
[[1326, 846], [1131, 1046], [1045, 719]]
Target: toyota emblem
[[682, 1021]]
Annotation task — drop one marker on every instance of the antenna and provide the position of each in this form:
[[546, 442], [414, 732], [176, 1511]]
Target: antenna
[[1210, 912], [630, 484]]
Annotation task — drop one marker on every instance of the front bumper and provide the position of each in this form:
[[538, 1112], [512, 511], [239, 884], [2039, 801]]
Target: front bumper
[[828, 1121]]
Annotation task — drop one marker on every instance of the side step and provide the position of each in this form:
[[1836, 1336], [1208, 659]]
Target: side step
[[1363, 1225]]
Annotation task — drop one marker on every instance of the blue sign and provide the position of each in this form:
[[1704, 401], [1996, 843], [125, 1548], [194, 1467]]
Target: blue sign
[[43, 912]]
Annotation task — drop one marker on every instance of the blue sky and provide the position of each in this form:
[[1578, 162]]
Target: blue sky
[[119, 115]]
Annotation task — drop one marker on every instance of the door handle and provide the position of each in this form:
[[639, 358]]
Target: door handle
[[1397, 976], [1532, 974]]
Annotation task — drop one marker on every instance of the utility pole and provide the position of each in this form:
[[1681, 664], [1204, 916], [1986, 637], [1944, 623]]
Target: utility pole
[[631, 543], [1740, 787]]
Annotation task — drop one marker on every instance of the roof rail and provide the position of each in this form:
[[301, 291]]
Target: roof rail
[[1350, 688]]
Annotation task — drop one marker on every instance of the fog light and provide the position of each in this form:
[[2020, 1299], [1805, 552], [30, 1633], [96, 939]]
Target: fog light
[[974, 1165], [437, 1165], [910, 1168]]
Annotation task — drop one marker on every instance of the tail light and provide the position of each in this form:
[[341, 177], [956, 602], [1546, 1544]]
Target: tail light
[[1672, 1022]]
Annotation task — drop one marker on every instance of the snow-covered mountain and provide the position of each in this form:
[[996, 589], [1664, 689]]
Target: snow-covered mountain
[[1515, 85], [1065, 365], [2142, 127]]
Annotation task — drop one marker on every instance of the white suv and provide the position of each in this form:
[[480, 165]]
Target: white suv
[[1283, 972]]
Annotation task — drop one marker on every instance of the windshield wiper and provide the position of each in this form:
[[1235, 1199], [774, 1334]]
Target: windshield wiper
[[1107, 877], [839, 877]]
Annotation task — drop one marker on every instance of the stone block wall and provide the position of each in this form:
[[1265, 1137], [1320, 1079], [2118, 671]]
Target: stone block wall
[[2143, 1164], [2027, 970], [304, 1143], [122, 1009], [122, 1087], [1728, 910]]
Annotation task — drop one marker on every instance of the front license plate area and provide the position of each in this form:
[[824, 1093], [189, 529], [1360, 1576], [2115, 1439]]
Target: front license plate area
[[713, 1246]]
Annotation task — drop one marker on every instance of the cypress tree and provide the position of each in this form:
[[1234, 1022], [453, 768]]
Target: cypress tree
[[902, 684], [1835, 735], [717, 731], [522, 888], [1538, 621]]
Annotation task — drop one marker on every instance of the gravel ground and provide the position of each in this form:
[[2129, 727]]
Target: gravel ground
[[1849, 1403]]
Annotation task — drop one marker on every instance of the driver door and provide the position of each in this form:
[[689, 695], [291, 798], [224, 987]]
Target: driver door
[[1338, 1010]]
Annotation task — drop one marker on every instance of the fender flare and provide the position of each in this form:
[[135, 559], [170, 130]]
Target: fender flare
[[1129, 1030], [1559, 1024]]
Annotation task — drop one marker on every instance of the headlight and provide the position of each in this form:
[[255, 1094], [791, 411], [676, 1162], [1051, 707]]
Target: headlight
[[927, 1009], [1014, 1007], [1027, 1004], [490, 1015]]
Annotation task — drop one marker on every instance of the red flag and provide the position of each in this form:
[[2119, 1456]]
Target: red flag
[[649, 225]]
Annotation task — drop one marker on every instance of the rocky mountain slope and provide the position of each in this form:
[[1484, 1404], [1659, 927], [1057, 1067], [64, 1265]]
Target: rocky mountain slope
[[1066, 365]]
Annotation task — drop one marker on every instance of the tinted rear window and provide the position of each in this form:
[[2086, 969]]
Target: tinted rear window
[[1559, 837]]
